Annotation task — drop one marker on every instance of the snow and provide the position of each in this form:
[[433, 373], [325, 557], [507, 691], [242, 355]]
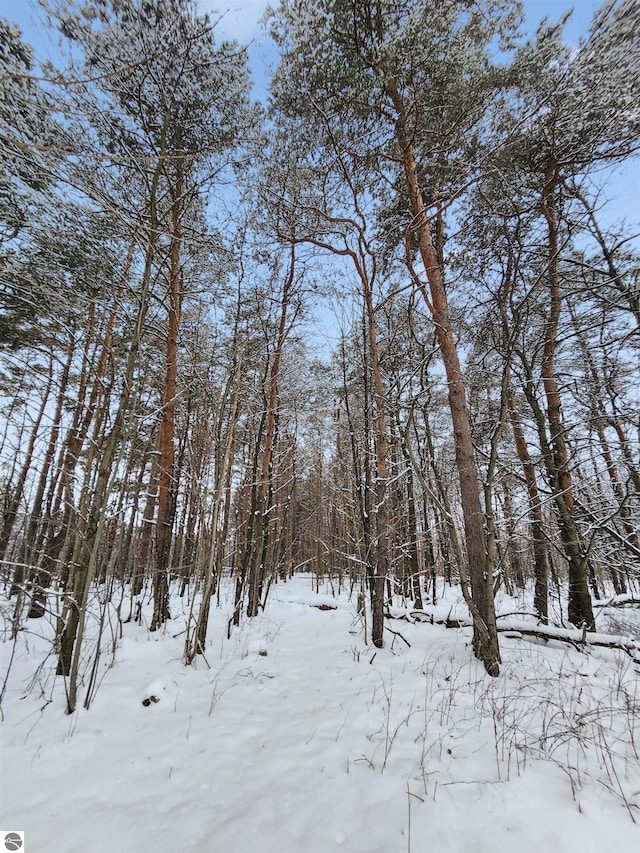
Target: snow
[[295, 737]]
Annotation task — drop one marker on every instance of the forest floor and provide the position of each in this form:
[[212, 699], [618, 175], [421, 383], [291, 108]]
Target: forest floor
[[296, 737]]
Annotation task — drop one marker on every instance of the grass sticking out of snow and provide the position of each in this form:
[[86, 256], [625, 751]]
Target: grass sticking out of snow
[[297, 737]]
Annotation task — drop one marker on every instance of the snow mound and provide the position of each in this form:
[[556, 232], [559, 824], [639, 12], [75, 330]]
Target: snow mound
[[156, 691]]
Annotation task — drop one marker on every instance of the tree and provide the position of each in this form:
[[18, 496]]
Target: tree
[[583, 117], [27, 130], [176, 89], [363, 65]]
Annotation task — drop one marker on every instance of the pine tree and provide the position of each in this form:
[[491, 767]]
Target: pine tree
[[409, 84]]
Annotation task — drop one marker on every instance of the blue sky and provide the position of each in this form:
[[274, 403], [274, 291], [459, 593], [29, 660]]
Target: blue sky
[[241, 21]]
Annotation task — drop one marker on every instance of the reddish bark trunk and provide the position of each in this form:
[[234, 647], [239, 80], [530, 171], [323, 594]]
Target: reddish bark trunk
[[485, 635], [166, 484]]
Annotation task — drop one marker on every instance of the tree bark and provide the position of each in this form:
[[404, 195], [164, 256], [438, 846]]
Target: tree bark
[[257, 567], [579, 609], [39, 580], [540, 550], [485, 634], [12, 504], [72, 634], [167, 474]]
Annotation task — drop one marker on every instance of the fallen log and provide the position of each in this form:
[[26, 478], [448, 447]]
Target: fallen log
[[618, 602], [581, 643], [580, 640]]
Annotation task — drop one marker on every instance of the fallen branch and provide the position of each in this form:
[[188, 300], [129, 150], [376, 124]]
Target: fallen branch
[[397, 634], [622, 602], [578, 639], [574, 637]]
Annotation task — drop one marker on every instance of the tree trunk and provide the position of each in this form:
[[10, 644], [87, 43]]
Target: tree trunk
[[381, 549], [196, 644], [580, 611], [485, 634], [167, 486], [540, 550], [72, 634], [257, 567], [39, 580], [12, 505]]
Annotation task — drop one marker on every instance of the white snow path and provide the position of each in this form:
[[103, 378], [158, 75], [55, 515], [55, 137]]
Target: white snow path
[[285, 753]]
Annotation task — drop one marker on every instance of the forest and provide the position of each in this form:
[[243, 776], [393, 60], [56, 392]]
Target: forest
[[373, 338]]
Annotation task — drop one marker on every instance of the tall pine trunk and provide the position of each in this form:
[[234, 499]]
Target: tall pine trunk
[[479, 566], [72, 634], [167, 474], [580, 611]]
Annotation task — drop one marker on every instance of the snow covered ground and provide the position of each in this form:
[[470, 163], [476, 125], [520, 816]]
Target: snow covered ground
[[298, 738]]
